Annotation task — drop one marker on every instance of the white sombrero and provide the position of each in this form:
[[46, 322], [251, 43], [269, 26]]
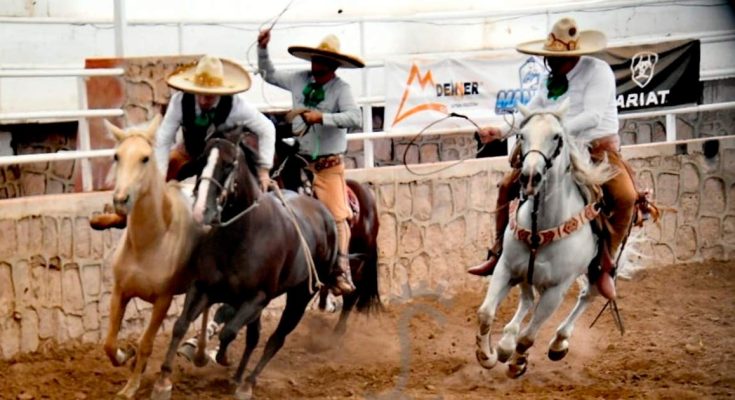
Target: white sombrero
[[211, 76], [565, 40], [329, 49]]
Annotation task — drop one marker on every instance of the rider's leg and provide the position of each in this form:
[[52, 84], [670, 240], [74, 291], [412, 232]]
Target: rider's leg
[[508, 190], [329, 186], [109, 219], [620, 196]]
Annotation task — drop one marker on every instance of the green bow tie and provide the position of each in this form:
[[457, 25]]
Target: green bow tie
[[313, 94], [204, 119], [557, 86]]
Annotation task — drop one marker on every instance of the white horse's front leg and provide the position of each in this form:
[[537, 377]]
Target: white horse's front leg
[[499, 286], [559, 346], [507, 344], [548, 302]]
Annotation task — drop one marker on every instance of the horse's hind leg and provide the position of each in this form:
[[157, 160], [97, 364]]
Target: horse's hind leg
[[160, 307], [296, 302], [196, 301], [548, 302], [347, 306], [507, 344], [247, 313], [118, 304], [251, 342], [559, 346], [499, 287]]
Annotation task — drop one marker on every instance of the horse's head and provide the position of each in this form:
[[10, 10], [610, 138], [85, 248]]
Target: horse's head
[[542, 139], [135, 164], [227, 182]]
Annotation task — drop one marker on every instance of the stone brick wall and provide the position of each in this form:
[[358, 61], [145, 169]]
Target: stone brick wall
[[44, 177], [55, 275]]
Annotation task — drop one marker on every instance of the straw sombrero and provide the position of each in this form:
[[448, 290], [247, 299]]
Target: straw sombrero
[[565, 40], [329, 49], [212, 76]]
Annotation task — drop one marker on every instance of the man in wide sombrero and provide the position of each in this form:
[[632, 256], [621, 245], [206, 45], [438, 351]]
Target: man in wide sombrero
[[323, 110], [206, 99], [589, 84]]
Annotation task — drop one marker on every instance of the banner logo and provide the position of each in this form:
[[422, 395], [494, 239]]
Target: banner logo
[[529, 76], [642, 67], [415, 75]]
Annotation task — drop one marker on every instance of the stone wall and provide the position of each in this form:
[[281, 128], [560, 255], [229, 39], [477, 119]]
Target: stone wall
[[44, 177], [55, 275]]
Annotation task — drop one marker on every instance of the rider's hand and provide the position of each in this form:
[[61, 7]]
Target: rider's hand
[[489, 134], [312, 117], [263, 38], [264, 179]]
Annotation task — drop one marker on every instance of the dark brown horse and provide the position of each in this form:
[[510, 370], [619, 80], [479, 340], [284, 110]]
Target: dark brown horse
[[252, 254], [363, 249]]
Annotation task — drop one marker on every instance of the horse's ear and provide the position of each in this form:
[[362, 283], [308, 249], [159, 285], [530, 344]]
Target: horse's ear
[[150, 133], [525, 112], [117, 132], [563, 108]]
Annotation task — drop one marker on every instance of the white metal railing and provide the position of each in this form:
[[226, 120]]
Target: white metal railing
[[81, 115]]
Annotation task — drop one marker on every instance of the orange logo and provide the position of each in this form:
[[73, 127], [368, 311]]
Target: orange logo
[[415, 74]]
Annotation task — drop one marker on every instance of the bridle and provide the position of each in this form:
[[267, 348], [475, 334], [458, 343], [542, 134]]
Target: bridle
[[224, 190], [548, 160]]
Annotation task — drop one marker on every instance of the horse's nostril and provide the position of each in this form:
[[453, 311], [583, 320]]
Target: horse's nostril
[[524, 179], [536, 178]]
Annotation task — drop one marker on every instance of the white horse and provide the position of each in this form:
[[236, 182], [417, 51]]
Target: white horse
[[562, 185]]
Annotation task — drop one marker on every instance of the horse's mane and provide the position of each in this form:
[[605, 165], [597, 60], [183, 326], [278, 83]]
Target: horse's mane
[[588, 176], [251, 157]]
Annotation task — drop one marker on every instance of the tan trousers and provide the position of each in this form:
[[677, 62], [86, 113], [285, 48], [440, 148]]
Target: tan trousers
[[177, 158], [329, 187]]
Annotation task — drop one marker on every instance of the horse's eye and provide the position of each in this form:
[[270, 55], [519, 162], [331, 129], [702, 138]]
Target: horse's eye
[[557, 136], [115, 157], [145, 159]]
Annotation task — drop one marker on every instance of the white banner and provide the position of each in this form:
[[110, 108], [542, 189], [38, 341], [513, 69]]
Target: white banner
[[419, 92]]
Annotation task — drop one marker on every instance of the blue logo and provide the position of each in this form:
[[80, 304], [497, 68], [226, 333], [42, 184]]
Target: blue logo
[[529, 75]]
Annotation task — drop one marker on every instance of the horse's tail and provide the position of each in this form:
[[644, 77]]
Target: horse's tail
[[369, 296]]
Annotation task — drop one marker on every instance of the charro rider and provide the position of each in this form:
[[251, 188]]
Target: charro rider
[[589, 84], [206, 100], [323, 111]]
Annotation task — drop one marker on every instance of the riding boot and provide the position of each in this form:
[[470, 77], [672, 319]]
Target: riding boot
[[507, 190], [621, 196], [343, 282], [108, 219]]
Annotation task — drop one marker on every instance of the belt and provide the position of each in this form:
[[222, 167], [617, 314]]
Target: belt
[[326, 161]]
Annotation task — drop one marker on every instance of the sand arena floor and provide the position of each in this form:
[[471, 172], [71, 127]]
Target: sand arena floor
[[679, 344]]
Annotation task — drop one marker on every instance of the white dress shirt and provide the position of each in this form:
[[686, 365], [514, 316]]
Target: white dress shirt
[[242, 113], [593, 111]]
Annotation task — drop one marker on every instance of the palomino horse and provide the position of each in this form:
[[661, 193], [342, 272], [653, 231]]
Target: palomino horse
[[549, 242], [150, 259], [363, 239], [257, 249]]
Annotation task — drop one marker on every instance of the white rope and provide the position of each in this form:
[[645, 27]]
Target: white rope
[[313, 275]]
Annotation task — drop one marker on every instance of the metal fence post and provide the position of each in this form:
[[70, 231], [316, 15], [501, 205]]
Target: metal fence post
[[121, 22], [83, 142], [670, 127], [367, 126]]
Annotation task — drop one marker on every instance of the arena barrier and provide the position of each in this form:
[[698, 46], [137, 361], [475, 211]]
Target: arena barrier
[[55, 278]]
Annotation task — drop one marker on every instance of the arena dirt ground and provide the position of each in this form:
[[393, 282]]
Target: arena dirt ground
[[679, 344]]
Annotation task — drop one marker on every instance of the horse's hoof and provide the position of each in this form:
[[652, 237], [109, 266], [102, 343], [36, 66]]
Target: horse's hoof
[[486, 361], [127, 393], [161, 391], [244, 391], [516, 371], [555, 355], [504, 353]]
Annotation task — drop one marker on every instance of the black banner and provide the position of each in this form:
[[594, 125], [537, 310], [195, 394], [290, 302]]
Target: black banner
[[655, 75]]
